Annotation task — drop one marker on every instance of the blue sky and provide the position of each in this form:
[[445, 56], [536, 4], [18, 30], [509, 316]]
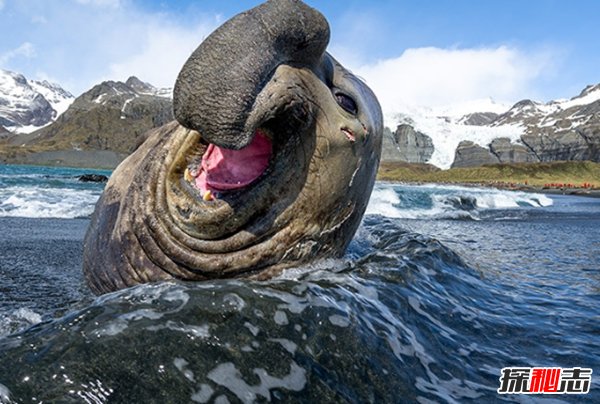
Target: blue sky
[[411, 52]]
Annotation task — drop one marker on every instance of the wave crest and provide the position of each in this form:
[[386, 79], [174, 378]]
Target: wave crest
[[40, 202]]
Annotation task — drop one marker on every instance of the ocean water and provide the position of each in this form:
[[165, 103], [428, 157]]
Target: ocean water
[[441, 288], [47, 192]]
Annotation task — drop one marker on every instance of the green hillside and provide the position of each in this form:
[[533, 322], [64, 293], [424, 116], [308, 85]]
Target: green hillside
[[535, 174]]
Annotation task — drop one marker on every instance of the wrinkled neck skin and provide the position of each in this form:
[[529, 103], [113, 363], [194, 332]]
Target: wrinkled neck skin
[[152, 224]]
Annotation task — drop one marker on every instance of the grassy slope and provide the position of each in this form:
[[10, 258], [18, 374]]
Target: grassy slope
[[536, 174]]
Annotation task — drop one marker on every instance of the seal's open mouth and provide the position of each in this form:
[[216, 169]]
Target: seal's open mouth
[[224, 169], [278, 150]]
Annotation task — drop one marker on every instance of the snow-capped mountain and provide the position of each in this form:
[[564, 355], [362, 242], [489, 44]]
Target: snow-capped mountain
[[486, 132], [27, 105], [544, 115], [113, 117]]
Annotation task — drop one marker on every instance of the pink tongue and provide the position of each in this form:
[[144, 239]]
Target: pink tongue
[[225, 169]]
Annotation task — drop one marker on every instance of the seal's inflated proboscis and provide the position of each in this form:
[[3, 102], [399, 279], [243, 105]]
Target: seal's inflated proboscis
[[271, 163]]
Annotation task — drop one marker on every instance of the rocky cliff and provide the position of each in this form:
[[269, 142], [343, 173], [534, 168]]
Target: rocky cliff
[[507, 152], [406, 145], [470, 154]]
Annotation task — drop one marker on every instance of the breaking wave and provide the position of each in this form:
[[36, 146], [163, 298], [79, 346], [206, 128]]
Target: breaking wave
[[447, 202], [47, 192], [21, 201]]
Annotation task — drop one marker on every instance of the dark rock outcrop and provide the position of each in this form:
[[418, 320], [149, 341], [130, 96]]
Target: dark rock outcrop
[[553, 146], [463, 202], [414, 146], [389, 148], [406, 145], [92, 178], [508, 152], [469, 154]]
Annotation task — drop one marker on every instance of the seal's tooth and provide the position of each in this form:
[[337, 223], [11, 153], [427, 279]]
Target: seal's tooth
[[188, 176], [208, 196]]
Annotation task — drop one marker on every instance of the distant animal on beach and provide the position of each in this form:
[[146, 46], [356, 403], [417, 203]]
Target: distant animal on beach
[[270, 164]]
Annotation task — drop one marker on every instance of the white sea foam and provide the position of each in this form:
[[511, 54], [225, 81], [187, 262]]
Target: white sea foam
[[40, 202], [17, 320], [192, 331], [227, 375], [384, 202], [121, 323], [4, 394], [447, 202]]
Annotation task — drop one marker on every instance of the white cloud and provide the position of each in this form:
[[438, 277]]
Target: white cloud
[[436, 77], [113, 39], [26, 49], [83, 42], [162, 52]]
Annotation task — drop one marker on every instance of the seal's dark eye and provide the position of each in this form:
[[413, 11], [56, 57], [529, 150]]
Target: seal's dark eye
[[347, 103]]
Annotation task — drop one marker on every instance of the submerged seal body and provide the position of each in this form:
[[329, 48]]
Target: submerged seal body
[[271, 162]]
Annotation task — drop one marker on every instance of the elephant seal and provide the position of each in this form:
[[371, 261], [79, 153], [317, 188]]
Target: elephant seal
[[270, 164]]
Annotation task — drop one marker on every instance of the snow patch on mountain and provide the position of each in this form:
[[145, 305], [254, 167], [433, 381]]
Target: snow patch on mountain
[[59, 98], [144, 88], [111, 92]]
